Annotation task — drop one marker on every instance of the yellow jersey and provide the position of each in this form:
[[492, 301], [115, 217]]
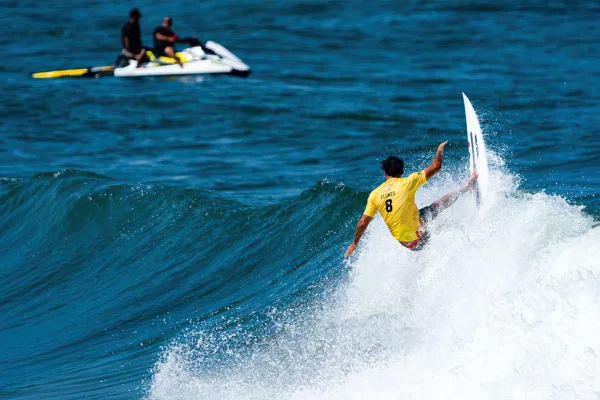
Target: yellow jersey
[[395, 201]]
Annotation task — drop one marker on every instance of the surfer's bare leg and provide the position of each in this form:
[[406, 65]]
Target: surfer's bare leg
[[451, 198], [431, 212]]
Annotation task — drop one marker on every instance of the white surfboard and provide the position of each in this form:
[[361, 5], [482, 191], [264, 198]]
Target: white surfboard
[[477, 155]]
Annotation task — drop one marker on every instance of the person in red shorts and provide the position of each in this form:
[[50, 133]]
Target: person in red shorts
[[395, 201]]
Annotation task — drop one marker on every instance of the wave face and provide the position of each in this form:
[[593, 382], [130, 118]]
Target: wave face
[[502, 304], [172, 293], [99, 274]]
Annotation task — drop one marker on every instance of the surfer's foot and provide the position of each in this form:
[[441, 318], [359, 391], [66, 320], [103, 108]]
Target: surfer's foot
[[472, 179]]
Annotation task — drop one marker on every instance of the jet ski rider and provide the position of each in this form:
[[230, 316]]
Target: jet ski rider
[[164, 39], [131, 38]]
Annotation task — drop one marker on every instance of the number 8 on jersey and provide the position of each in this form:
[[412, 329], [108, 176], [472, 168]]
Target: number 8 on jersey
[[388, 205]]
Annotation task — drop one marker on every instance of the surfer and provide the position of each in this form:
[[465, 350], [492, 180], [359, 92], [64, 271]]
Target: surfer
[[395, 201]]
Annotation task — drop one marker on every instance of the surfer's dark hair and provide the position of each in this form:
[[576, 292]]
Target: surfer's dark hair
[[393, 166]]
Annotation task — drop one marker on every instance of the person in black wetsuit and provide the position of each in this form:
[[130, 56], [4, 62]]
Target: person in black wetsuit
[[131, 38], [164, 40]]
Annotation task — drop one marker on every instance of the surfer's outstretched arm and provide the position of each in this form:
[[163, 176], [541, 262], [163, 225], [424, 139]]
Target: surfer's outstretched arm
[[451, 198], [360, 229], [437, 162]]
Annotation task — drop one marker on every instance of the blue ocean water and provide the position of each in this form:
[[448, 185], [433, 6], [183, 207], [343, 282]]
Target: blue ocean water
[[183, 238]]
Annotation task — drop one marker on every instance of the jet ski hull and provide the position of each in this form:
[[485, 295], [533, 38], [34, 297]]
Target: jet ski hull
[[212, 58], [190, 68]]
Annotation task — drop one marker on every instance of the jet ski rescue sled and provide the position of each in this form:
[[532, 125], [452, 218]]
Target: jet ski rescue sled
[[212, 58]]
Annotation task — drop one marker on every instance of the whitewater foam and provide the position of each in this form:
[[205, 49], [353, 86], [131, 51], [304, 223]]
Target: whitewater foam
[[503, 303]]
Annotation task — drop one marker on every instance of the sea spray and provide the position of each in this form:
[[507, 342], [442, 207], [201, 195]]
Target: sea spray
[[501, 304]]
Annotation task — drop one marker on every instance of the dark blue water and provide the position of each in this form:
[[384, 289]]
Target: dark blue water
[[183, 238]]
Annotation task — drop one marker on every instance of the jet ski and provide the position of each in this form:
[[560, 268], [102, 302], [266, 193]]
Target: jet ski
[[210, 58]]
